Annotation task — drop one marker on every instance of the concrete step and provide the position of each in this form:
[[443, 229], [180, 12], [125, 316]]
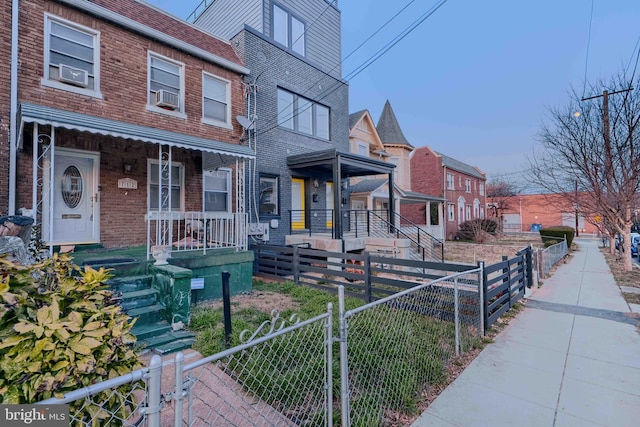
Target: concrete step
[[168, 337], [143, 332], [139, 299], [174, 346], [148, 314], [130, 283]]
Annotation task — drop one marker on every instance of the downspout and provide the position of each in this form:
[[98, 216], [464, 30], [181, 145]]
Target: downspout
[[13, 109]]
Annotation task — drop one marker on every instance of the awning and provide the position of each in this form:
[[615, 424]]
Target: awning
[[224, 151], [350, 164]]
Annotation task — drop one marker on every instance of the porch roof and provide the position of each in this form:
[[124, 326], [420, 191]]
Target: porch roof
[[33, 113], [350, 164]]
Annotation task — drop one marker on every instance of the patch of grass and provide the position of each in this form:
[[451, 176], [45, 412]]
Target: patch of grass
[[631, 298], [623, 277]]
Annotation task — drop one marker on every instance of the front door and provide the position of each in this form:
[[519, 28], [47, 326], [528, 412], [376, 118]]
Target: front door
[[329, 198], [75, 198], [297, 204]]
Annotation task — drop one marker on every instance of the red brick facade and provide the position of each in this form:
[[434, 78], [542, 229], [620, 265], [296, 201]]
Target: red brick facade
[[5, 52], [124, 89], [465, 197]]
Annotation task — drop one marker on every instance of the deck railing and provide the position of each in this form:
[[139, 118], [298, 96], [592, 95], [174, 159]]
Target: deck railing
[[196, 231]]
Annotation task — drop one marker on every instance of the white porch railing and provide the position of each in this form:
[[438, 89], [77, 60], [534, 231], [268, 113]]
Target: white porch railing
[[196, 231]]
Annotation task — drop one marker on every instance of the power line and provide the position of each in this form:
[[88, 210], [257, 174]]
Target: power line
[[372, 59]]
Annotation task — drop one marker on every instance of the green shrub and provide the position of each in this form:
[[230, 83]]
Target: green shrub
[[60, 330], [557, 233]]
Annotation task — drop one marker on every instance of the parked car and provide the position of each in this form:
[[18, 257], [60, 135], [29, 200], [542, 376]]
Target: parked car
[[635, 242]]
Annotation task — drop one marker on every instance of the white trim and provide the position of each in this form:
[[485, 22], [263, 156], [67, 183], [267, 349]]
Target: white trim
[[146, 31], [227, 83], [183, 189], [47, 81], [228, 190], [180, 112]]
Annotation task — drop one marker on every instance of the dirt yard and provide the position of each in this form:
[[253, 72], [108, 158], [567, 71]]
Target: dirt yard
[[492, 251]]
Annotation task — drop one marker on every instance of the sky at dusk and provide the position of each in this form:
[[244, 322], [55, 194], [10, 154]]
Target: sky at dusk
[[475, 80]]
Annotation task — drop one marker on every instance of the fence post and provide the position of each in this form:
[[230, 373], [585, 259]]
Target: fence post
[[296, 264], [226, 302], [529, 257], [366, 270], [482, 292], [154, 392], [507, 279], [344, 366], [178, 394], [329, 367], [456, 315]]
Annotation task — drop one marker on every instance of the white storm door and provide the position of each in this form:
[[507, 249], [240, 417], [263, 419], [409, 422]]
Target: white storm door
[[297, 204], [75, 197]]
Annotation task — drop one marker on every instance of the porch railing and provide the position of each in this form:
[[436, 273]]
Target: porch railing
[[196, 231]]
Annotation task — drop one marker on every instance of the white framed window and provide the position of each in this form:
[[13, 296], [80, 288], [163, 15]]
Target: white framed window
[[482, 212], [71, 57], [172, 180], [216, 100], [467, 212], [451, 212], [288, 30], [302, 115], [450, 182], [467, 185], [476, 208], [216, 187], [481, 189], [165, 85], [269, 195], [363, 149]]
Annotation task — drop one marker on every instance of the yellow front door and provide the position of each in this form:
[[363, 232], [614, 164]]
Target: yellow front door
[[329, 205], [297, 204]]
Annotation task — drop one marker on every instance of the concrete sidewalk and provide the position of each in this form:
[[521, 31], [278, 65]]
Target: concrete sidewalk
[[570, 358]]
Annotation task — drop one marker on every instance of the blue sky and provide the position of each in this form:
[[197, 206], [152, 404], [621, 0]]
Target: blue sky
[[475, 80]]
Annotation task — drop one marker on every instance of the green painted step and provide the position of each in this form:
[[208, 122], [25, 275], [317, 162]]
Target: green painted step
[[148, 314], [138, 299], [143, 332], [168, 337], [174, 346], [130, 283]]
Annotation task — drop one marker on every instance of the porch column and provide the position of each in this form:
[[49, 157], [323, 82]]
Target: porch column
[[428, 213], [392, 213], [337, 198]]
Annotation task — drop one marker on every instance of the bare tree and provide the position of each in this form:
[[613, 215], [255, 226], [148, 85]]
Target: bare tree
[[499, 196], [589, 146]]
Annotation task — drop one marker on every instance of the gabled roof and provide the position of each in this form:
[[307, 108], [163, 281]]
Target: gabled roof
[[371, 185], [389, 129], [355, 117], [154, 23], [459, 166]]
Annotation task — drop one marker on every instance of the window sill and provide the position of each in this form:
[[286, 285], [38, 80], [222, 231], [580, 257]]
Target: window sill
[[216, 123], [172, 113], [70, 88]]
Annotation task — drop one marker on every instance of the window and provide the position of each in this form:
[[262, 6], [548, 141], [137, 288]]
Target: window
[[269, 190], [476, 208], [288, 30], [467, 185], [216, 186], [166, 85], [482, 212], [451, 212], [363, 125], [467, 212], [481, 189], [363, 149], [72, 56], [302, 115], [216, 104], [172, 187], [450, 184]]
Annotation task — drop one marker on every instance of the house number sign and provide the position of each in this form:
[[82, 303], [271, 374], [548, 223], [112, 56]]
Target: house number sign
[[128, 184]]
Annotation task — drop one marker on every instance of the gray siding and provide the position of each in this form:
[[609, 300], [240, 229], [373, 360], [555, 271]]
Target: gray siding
[[226, 18], [277, 68]]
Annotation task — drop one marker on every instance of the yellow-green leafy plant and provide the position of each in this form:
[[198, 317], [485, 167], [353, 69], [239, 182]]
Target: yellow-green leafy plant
[[61, 330]]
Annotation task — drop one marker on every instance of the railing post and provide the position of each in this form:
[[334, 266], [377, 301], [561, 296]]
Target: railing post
[[296, 264], [529, 257], [368, 223], [507, 279], [154, 392], [328, 402]]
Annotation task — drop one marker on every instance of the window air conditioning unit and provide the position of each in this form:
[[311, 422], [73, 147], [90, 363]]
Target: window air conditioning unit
[[74, 76], [166, 99]]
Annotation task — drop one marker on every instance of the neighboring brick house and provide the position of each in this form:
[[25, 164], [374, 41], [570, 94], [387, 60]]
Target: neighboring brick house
[[298, 121], [528, 212], [463, 186], [386, 142], [126, 113]]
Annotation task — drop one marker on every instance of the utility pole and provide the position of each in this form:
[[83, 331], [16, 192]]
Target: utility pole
[[576, 207]]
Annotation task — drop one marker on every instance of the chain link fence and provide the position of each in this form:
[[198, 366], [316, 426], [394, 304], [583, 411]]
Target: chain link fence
[[394, 349], [550, 256], [287, 372]]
